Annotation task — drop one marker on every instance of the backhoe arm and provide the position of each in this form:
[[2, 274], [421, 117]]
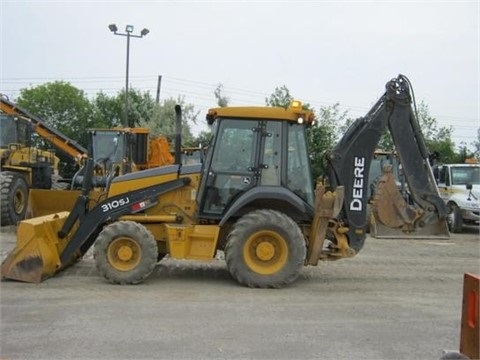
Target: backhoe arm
[[413, 155], [349, 164]]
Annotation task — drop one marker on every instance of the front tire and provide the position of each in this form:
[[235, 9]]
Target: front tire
[[125, 252], [265, 249], [13, 197], [454, 219]]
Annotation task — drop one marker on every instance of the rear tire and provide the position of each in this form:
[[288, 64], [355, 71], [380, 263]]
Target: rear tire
[[13, 197], [454, 219], [125, 252], [265, 249]]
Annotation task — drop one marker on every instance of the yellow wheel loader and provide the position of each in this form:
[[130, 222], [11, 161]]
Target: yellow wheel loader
[[26, 163], [253, 198]]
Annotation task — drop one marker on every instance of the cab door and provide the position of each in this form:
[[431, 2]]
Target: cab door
[[231, 167]]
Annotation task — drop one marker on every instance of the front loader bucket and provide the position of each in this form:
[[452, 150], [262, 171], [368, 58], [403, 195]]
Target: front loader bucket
[[36, 255], [44, 202]]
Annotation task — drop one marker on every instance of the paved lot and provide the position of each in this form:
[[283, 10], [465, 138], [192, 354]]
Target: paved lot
[[398, 299]]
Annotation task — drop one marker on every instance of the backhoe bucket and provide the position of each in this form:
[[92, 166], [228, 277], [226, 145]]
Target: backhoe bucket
[[36, 255], [437, 231], [392, 217]]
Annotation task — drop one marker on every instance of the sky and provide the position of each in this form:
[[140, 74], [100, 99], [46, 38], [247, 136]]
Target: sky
[[324, 52]]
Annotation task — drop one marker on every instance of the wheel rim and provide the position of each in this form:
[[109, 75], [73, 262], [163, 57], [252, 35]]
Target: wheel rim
[[451, 216], [124, 254], [19, 201], [265, 252]]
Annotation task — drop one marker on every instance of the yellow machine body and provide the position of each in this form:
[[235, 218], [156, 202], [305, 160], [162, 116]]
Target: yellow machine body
[[185, 240]]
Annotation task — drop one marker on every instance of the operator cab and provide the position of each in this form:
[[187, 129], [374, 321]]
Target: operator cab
[[14, 131], [108, 146], [253, 156]]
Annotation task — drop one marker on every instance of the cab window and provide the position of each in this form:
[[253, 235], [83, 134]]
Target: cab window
[[297, 163], [231, 170], [272, 154]]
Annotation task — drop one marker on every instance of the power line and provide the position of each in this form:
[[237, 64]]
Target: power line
[[201, 91]]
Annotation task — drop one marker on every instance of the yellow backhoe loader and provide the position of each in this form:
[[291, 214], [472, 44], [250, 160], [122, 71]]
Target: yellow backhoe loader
[[253, 198]]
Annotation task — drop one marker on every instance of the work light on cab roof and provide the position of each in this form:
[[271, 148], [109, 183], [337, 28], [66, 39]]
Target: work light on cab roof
[[303, 116]]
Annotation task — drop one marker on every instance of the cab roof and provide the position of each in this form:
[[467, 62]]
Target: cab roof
[[260, 112]]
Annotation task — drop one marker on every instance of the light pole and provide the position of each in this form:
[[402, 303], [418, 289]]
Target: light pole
[[128, 33]]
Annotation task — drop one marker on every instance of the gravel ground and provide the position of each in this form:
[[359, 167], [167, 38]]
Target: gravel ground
[[397, 299]]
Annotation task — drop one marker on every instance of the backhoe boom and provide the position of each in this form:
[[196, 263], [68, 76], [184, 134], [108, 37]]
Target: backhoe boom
[[349, 164]]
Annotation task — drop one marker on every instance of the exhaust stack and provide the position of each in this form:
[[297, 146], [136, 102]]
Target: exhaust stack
[[178, 134]]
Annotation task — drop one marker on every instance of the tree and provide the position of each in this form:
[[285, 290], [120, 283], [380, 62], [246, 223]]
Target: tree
[[60, 105], [108, 111], [438, 139], [222, 100], [466, 153], [141, 105], [476, 145], [324, 134], [203, 139], [280, 97], [161, 120], [145, 112], [444, 147]]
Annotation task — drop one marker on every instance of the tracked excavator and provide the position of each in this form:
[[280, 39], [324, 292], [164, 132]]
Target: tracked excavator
[[253, 198]]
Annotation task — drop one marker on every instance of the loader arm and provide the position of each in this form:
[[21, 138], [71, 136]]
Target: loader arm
[[47, 246], [110, 210], [349, 164]]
